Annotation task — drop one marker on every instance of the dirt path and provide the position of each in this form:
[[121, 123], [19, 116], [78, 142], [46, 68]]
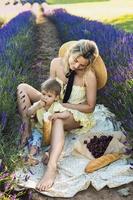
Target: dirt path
[[47, 47]]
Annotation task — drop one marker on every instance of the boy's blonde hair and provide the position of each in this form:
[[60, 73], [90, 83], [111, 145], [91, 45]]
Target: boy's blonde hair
[[51, 85]]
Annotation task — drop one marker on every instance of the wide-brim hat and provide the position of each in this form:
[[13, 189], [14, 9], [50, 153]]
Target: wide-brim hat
[[98, 64]]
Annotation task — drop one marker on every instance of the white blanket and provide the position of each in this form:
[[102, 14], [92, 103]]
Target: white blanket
[[71, 177]]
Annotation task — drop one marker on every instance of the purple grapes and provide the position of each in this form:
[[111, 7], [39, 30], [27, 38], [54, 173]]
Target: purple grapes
[[98, 145]]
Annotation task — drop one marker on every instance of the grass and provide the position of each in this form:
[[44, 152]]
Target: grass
[[72, 1], [124, 22], [115, 12]]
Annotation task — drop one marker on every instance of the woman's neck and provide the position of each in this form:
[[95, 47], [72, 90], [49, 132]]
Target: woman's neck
[[80, 73]]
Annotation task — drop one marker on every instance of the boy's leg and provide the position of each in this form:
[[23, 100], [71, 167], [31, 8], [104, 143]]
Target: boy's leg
[[25, 96], [45, 158], [35, 142]]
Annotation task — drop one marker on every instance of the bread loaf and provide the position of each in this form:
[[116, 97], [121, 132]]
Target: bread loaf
[[47, 124], [101, 162]]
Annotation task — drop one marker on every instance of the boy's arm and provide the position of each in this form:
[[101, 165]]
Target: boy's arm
[[60, 115], [32, 109]]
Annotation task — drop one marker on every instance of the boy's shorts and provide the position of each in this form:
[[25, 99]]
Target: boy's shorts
[[35, 139]]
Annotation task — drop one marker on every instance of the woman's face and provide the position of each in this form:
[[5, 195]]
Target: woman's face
[[78, 63]]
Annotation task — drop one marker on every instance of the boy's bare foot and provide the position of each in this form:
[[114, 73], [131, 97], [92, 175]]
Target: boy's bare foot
[[25, 134], [45, 158], [30, 160], [47, 180], [33, 150]]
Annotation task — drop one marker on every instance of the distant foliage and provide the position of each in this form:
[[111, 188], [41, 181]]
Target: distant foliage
[[32, 1], [116, 49]]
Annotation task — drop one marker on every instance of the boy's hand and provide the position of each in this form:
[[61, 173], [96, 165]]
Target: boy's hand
[[54, 116], [60, 115], [42, 103]]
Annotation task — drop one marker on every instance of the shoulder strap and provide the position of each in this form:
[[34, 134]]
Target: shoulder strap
[[69, 86]]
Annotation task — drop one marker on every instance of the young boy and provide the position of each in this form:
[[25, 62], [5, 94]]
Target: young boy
[[49, 102]]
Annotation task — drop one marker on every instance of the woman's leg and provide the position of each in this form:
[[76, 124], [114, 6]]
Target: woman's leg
[[25, 96], [57, 144]]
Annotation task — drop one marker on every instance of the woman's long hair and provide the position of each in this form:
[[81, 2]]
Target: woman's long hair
[[86, 48]]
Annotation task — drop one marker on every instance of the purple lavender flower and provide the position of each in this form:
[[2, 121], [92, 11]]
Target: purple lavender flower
[[31, 171], [1, 194], [3, 119], [30, 195], [14, 197], [4, 175], [26, 178], [7, 185]]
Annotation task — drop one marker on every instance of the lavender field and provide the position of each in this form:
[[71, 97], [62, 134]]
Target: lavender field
[[17, 43]]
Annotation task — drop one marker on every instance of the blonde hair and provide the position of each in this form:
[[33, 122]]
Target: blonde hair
[[51, 85], [86, 48]]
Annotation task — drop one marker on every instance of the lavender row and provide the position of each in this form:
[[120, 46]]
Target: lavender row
[[16, 55]]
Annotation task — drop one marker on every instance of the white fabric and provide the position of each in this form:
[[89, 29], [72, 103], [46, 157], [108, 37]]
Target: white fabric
[[71, 177]]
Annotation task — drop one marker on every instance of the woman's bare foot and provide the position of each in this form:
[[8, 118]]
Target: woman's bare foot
[[45, 158], [47, 180]]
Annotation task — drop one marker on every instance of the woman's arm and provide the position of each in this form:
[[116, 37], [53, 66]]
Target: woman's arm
[[80, 107], [53, 68], [91, 90]]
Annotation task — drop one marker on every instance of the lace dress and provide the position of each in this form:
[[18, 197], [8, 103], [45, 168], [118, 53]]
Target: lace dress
[[78, 95]]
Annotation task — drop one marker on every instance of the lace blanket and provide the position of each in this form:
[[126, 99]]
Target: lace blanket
[[71, 177]]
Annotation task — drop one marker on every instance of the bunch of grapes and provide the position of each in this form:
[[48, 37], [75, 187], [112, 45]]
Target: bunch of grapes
[[98, 145]]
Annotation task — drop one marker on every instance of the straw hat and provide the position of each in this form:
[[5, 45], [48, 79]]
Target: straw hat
[[98, 64]]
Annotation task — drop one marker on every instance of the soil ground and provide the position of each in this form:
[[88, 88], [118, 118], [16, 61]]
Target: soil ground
[[48, 44]]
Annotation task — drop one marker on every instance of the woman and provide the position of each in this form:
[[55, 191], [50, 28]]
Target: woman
[[81, 71]]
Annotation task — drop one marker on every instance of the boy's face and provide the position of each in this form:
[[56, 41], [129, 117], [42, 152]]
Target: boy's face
[[48, 97]]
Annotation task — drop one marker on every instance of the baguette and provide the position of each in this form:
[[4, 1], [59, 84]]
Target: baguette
[[47, 125], [101, 162]]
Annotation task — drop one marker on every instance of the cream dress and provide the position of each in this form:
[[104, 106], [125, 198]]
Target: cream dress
[[78, 96], [40, 114]]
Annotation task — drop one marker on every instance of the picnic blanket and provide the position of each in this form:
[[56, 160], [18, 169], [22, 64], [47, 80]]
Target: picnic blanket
[[71, 177]]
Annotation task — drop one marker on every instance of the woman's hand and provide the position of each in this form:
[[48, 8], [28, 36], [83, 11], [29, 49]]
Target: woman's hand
[[66, 105], [82, 107]]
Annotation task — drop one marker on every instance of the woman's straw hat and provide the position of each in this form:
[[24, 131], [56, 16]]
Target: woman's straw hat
[[98, 64]]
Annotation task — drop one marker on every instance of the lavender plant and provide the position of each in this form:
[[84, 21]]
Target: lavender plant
[[32, 1], [7, 184], [16, 55]]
